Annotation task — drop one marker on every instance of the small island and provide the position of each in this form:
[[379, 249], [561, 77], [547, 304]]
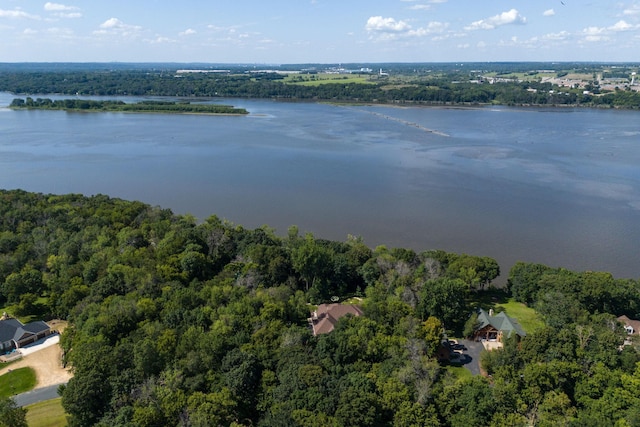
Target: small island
[[120, 106]]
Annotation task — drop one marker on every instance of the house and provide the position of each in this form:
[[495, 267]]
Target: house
[[324, 319], [631, 326], [14, 334], [492, 327]]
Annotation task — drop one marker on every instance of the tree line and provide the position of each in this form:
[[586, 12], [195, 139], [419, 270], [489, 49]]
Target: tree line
[[435, 90], [121, 106], [175, 321]]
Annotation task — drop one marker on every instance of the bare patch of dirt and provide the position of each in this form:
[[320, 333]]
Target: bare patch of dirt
[[58, 325], [47, 365]]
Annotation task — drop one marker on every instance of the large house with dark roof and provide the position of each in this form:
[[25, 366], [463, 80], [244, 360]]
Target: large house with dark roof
[[15, 334], [324, 319], [492, 327]]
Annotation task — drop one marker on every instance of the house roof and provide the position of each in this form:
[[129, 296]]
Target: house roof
[[635, 324], [8, 329], [13, 329], [501, 322], [36, 327], [326, 316]]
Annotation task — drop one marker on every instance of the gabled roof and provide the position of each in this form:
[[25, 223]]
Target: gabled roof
[[13, 330], [501, 322], [326, 316], [8, 329], [36, 327]]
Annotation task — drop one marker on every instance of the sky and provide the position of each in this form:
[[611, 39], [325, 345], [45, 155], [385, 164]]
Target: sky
[[319, 31]]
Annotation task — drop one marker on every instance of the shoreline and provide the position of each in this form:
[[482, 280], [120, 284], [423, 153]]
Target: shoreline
[[75, 110], [115, 106], [390, 103]]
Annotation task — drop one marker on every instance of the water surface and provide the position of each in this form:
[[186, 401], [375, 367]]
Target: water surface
[[556, 186]]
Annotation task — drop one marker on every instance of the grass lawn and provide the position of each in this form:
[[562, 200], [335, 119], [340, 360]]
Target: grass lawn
[[497, 299], [17, 381], [46, 414], [460, 372], [528, 318], [319, 79], [12, 309]]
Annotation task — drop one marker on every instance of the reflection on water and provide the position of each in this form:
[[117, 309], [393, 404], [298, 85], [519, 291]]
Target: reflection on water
[[556, 187]]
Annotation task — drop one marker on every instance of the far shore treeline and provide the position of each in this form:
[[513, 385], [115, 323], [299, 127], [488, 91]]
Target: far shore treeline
[[121, 106], [176, 322], [517, 84]]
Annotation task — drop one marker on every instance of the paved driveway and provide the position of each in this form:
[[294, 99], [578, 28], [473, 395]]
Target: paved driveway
[[37, 395], [472, 355]]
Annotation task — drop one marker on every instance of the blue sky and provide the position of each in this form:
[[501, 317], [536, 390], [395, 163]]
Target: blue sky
[[324, 31]]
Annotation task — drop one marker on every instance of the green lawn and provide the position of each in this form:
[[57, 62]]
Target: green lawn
[[17, 381], [46, 414], [460, 372], [319, 79], [353, 300], [12, 309], [528, 318], [499, 300]]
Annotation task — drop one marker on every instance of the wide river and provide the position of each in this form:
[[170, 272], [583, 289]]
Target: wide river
[[555, 186]]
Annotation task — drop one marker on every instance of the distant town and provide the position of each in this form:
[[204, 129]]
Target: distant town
[[566, 75]]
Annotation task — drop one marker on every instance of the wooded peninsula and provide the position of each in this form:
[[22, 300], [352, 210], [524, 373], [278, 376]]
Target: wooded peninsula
[[177, 322], [120, 106]]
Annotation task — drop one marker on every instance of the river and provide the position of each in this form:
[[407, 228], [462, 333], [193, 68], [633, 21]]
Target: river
[[555, 186]]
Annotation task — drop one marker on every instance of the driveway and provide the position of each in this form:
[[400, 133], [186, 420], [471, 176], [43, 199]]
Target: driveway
[[38, 395], [45, 359], [472, 355]]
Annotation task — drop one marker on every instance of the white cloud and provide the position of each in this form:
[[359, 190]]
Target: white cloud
[[57, 7], [621, 26], [549, 12], [562, 35], [112, 23], [188, 32], [233, 35], [63, 11], [594, 34], [423, 4], [116, 26], [510, 17], [632, 10], [160, 40], [67, 15], [17, 14], [386, 25], [437, 27], [380, 28]]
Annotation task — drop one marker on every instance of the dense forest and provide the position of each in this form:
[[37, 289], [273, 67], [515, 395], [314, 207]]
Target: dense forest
[[176, 322], [121, 106], [447, 86]]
